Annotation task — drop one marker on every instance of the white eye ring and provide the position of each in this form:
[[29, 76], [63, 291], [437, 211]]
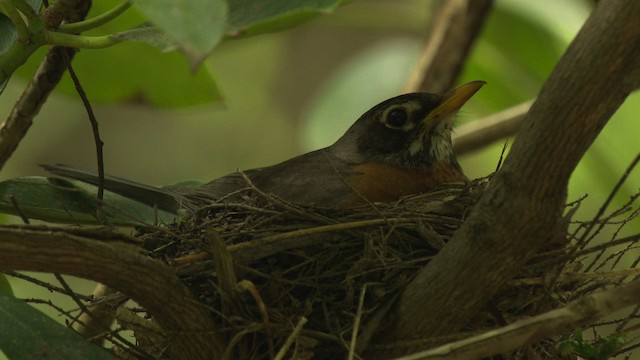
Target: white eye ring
[[397, 117]]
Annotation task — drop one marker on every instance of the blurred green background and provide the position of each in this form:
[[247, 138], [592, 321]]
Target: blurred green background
[[290, 92]]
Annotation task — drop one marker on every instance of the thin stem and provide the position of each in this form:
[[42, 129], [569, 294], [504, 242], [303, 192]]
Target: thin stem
[[82, 26], [79, 41]]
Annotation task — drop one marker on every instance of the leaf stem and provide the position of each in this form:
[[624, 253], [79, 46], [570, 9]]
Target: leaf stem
[[82, 26], [79, 41]]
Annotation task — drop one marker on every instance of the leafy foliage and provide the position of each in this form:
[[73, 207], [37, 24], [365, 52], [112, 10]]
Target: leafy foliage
[[601, 348], [26, 333]]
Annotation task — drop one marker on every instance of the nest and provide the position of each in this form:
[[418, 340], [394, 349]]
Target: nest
[[265, 266], [313, 283]]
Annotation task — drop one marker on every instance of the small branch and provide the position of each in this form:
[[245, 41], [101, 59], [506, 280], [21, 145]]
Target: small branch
[[149, 282], [524, 332], [33, 97], [292, 337], [79, 41], [482, 132], [96, 138], [35, 94], [455, 26]]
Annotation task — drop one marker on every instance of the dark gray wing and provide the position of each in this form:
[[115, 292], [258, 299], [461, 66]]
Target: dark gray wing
[[317, 178]]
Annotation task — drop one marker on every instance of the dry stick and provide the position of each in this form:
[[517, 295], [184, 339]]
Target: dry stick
[[294, 334], [479, 133], [455, 26], [248, 286], [16, 205], [356, 323], [521, 209], [96, 138], [44, 284], [89, 323], [15, 127], [149, 282], [575, 277], [578, 313]]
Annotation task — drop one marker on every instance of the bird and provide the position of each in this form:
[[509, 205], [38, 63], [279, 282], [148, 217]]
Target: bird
[[400, 147]]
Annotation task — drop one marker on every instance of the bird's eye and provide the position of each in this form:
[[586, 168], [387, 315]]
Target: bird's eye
[[397, 117]]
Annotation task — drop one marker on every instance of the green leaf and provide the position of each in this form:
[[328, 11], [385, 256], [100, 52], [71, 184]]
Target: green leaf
[[250, 17], [63, 201], [132, 71], [196, 26], [5, 285], [149, 35], [26, 333]]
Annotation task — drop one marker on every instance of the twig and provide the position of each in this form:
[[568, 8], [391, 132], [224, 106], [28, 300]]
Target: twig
[[315, 230], [16, 205], [292, 337], [33, 97], [569, 277], [584, 239], [608, 244], [503, 340], [43, 284], [356, 323], [51, 69], [284, 204], [96, 136], [248, 286]]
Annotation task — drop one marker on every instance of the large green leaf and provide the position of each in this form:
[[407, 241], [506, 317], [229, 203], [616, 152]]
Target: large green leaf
[[26, 333], [63, 201], [250, 17], [133, 71], [5, 286], [196, 26]]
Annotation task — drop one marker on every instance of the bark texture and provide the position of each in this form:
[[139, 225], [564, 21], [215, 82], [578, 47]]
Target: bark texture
[[522, 207]]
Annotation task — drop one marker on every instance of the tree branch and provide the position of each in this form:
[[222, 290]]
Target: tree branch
[[121, 266], [455, 26], [481, 132], [521, 209], [48, 75], [578, 313]]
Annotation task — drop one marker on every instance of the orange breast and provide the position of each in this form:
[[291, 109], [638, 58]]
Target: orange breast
[[381, 182]]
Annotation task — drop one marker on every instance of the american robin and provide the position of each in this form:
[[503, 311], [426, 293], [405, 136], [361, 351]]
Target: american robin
[[401, 146]]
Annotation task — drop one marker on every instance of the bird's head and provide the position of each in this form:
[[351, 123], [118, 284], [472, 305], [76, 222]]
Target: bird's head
[[411, 130]]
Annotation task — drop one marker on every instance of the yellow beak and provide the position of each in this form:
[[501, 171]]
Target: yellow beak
[[452, 102]]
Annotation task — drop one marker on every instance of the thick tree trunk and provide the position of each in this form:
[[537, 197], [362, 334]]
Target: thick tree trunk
[[522, 207]]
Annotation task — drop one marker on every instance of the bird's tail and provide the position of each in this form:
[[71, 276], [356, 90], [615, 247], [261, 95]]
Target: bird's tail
[[146, 194]]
